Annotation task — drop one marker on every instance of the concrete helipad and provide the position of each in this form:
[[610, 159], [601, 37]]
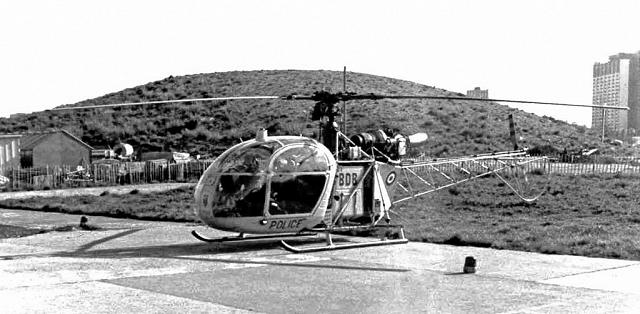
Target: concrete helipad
[[134, 266]]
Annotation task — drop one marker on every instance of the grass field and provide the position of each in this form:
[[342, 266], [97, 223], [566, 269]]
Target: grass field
[[580, 215]]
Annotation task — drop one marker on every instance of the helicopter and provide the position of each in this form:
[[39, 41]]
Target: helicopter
[[279, 187]]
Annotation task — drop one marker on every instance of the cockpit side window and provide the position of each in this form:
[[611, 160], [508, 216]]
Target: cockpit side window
[[298, 181], [295, 194]]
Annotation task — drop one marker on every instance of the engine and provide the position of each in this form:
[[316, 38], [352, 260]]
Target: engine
[[394, 146]]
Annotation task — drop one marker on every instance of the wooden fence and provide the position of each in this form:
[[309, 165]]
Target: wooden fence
[[593, 167], [158, 172], [566, 165], [104, 174]]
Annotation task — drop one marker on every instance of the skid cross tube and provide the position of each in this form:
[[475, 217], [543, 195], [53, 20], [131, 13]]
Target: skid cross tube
[[331, 246]]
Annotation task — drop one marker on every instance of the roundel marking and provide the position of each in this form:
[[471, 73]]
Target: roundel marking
[[391, 178]]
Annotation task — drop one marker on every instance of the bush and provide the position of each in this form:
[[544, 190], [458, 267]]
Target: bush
[[537, 172], [542, 150]]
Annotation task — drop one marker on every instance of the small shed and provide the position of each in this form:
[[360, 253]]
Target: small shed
[[56, 148]]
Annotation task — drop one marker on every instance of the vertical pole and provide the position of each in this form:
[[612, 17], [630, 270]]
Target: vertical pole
[[337, 140], [344, 103], [512, 132], [603, 122]]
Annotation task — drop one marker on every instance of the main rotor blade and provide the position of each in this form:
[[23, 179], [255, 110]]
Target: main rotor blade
[[334, 98], [376, 96], [166, 102], [543, 103]]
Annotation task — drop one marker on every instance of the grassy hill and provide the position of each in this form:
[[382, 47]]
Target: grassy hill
[[454, 127]]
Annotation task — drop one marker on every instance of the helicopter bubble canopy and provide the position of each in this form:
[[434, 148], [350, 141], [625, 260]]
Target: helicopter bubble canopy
[[268, 177]]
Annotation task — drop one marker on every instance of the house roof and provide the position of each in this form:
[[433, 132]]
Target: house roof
[[29, 141], [10, 135]]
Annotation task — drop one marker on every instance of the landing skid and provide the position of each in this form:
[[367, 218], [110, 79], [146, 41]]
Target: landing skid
[[243, 237], [330, 246]]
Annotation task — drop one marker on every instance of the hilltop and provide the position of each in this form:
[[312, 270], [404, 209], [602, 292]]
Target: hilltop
[[455, 127]]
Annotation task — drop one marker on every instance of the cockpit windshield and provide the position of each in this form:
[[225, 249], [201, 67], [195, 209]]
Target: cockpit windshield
[[251, 159], [301, 159], [282, 180]]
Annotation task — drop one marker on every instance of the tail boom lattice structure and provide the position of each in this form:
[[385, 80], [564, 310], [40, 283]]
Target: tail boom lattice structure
[[514, 168]]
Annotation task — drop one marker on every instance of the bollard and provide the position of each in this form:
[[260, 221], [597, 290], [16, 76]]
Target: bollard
[[469, 265], [83, 221], [84, 224]]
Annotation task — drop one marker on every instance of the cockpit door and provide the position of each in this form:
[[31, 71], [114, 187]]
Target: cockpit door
[[299, 177]]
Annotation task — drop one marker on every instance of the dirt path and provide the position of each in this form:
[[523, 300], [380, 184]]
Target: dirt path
[[121, 189]]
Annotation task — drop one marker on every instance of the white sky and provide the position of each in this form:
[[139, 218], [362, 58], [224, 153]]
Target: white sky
[[60, 52]]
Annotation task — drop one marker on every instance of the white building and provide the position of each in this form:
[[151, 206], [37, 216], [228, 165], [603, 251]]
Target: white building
[[9, 152], [478, 93], [617, 83]]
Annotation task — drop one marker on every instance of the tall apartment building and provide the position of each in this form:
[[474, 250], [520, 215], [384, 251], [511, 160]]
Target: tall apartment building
[[617, 83], [478, 93]]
